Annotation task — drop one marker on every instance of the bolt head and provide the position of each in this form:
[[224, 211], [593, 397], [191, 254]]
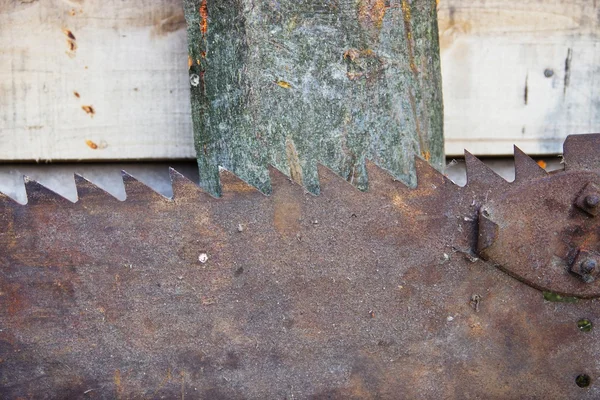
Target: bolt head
[[592, 200], [588, 266]]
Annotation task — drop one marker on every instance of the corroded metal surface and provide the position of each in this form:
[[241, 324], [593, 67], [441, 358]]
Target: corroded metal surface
[[536, 231], [348, 294]]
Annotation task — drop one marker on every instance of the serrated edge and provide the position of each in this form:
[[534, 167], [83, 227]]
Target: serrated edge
[[134, 186], [81, 182], [526, 169], [428, 174], [179, 182], [36, 190], [479, 174]]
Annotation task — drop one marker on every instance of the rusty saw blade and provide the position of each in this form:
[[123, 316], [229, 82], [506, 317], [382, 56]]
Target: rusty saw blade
[[349, 294]]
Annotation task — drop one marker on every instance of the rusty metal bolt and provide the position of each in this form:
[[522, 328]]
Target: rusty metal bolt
[[588, 266], [585, 265], [589, 199], [592, 200]]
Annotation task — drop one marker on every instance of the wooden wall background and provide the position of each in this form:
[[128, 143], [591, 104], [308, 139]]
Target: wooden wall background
[[519, 71], [127, 61], [107, 80]]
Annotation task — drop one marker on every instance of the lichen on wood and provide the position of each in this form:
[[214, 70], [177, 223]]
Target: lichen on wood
[[294, 83]]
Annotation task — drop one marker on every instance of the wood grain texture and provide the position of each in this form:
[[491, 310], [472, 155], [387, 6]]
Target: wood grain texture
[[294, 83], [93, 80], [491, 51], [515, 71]]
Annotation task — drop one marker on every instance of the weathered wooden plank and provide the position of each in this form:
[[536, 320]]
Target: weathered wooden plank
[[489, 50], [93, 80], [515, 71], [296, 82]]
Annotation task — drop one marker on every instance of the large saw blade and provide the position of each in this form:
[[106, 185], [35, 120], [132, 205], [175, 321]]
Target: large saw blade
[[349, 294]]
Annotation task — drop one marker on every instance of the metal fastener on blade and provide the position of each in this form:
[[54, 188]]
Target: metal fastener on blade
[[589, 199], [586, 265], [592, 201]]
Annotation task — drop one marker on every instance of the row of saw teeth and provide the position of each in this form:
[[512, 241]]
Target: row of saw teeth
[[160, 178]]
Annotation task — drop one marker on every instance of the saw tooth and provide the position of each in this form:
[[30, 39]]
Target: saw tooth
[[480, 175], [12, 187], [89, 191], [138, 191], [156, 177], [280, 182], [6, 200], [526, 168], [108, 179], [381, 180], [232, 185], [38, 193], [184, 188], [332, 184], [427, 176], [55, 179]]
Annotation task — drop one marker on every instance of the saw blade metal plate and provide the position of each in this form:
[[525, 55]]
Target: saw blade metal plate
[[348, 294]]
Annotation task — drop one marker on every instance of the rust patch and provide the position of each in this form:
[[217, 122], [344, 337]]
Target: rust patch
[[287, 208], [190, 62], [12, 299], [71, 48], [89, 110], [71, 44], [69, 34], [286, 217], [76, 94], [203, 17], [372, 12], [118, 383], [91, 144]]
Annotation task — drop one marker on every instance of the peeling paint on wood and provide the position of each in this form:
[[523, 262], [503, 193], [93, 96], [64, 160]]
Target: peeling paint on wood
[[296, 82]]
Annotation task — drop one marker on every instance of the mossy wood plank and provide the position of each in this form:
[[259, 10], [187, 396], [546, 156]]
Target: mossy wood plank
[[296, 82]]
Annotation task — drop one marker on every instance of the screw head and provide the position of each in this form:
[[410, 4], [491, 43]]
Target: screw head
[[592, 200], [194, 80], [548, 73], [588, 266]]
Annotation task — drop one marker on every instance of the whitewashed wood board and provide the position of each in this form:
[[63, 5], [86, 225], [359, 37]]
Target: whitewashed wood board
[[130, 66], [494, 57], [128, 62]]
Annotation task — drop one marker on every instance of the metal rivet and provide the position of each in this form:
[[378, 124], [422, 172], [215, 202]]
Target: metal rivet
[[592, 200], [548, 72], [588, 266], [194, 80]]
